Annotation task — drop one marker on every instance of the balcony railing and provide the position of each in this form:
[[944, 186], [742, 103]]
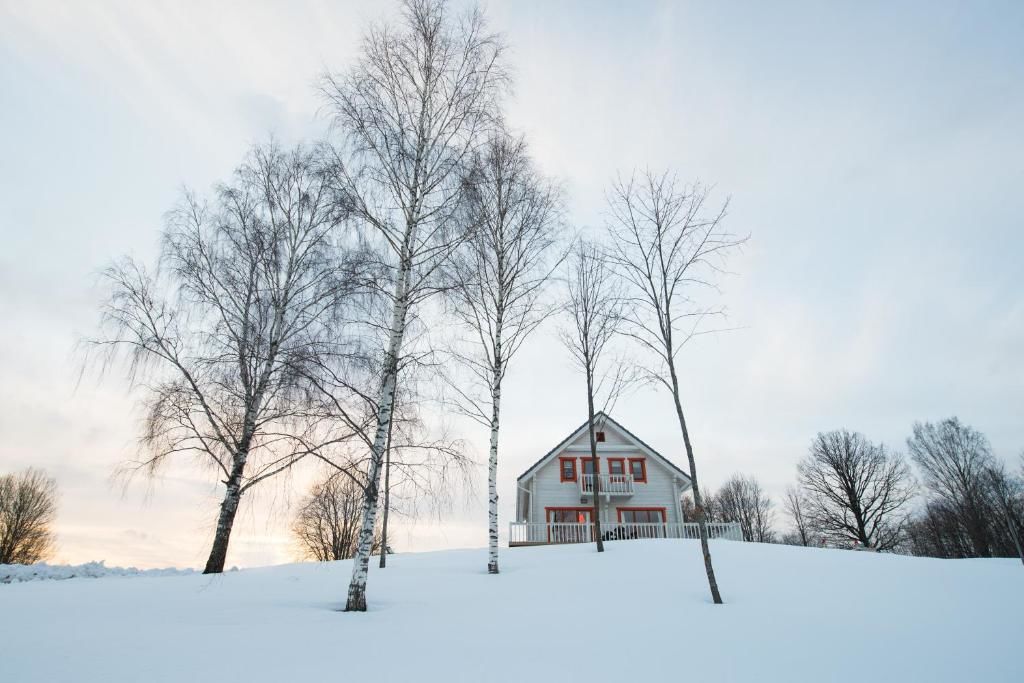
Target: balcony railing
[[527, 533], [607, 484]]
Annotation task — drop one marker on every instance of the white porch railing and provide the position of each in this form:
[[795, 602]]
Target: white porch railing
[[611, 484], [526, 533]]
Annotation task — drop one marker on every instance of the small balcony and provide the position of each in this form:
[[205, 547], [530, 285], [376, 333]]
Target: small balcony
[[607, 484], [556, 533]]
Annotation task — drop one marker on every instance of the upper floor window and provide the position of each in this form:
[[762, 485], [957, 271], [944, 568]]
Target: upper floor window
[[599, 436], [617, 466], [638, 468], [588, 465], [567, 469]]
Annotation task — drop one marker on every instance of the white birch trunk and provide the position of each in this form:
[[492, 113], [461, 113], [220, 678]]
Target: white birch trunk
[[361, 562], [492, 478]]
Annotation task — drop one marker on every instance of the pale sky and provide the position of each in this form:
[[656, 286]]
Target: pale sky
[[874, 152]]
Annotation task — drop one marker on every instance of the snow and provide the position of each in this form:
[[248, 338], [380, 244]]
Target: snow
[[638, 612], [16, 573]]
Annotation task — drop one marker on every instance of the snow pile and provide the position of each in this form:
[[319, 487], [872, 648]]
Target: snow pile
[[16, 573], [639, 612]]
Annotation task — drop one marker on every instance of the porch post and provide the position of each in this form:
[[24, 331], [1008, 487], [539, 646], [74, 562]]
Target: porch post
[[541, 532], [678, 505]]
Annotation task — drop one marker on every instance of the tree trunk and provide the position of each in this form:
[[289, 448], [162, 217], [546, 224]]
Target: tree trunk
[[595, 485], [858, 518], [492, 475], [387, 501], [226, 519], [698, 502], [361, 562]]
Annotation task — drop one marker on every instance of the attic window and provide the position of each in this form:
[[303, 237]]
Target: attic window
[[599, 436]]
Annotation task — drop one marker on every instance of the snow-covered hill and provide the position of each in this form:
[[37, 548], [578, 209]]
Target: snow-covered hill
[[640, 612], [15, 573]]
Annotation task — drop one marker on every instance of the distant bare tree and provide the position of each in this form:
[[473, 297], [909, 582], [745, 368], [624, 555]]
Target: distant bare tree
[[954, 460], [935, 531], [795, 506], [222, 335], [1007, 493], [741, 499], [712, 511], [28, 508], [502, 271], [327, 524], [668, 245], [420, 99], [595, 312], [688, 509], [856, 491]]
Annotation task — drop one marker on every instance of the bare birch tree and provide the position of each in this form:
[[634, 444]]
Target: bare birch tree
[[410, 113], [668, 245], [595, 312], [221, 334], [856, 491], [502, 273], [28, 508]]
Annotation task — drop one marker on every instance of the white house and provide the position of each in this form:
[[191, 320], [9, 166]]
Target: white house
[[640, 492]]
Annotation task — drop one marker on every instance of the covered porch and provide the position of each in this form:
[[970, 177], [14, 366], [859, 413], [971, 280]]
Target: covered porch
[[530, 533]]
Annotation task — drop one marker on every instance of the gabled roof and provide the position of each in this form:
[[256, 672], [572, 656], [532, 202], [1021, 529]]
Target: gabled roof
[[600, 417]]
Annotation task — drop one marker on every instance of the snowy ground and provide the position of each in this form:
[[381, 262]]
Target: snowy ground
[[639, 612]]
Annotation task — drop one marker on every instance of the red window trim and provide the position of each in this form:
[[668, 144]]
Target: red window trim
[[621, 460], [663, 511], [597, 463], [643, 468], [561, 469]]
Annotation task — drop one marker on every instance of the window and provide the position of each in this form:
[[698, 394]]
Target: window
[[569, 515], [588, 465], [567, 468], [616, 466], [642, 515], [599, 436], [638, 468]]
